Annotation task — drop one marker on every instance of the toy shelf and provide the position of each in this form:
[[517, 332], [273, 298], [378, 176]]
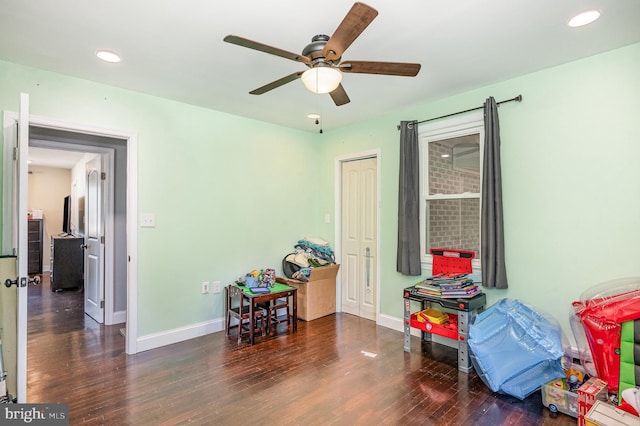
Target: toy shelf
[[449, 329], [457, 328]]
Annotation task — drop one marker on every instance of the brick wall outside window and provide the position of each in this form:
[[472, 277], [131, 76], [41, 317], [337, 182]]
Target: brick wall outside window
[[453, 223]]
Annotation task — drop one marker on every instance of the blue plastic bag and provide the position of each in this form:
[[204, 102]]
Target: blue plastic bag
[[514, 349]]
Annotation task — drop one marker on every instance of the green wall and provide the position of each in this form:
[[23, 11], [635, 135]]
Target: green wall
[[571, 178], [232, 194]]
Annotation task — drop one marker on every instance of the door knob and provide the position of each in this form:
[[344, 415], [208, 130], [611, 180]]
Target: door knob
[[83, 246], [9, 282]]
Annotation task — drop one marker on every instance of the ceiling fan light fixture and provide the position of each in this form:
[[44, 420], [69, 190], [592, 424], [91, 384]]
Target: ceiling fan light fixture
[[321, 79]]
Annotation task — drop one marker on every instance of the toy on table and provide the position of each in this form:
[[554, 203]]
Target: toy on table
[[262, 278]]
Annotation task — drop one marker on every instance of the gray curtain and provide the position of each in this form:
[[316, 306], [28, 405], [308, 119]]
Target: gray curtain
[[408, 260], [494, 273]]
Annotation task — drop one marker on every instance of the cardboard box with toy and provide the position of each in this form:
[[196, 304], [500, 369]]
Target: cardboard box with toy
[[316, 297]]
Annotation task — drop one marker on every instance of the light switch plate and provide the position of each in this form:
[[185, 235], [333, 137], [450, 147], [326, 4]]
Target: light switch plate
[[147, 220]]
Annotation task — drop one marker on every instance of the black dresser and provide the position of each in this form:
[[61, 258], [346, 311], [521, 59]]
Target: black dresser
[[67, 263], [34, 247]]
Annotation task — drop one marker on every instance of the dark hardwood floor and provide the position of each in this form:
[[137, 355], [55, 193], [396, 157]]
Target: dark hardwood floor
[[317, 376]]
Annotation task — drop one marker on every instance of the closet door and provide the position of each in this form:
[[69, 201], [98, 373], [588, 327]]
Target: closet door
[[359, 238]]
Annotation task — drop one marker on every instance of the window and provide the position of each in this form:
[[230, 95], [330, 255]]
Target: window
[[450, 182]]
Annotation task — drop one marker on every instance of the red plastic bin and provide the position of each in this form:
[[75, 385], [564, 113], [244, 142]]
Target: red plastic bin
[[448, 329], [450, 261]]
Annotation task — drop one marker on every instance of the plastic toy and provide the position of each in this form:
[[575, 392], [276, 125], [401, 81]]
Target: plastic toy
[[554, 396], [601, 311], [263, 278], [630, 401]]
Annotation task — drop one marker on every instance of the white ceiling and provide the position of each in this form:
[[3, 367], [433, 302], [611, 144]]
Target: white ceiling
[[174, 49], [53, 157]]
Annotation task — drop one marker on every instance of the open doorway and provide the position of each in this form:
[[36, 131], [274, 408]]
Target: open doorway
[[58, 164], [16, 129], [47, 144]]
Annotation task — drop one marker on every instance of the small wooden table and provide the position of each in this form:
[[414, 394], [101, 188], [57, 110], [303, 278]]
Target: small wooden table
[[278, 291]]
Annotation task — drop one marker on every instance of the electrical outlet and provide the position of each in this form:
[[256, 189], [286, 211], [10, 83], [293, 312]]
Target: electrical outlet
[[147, 220], [216, 287], [205, 287]]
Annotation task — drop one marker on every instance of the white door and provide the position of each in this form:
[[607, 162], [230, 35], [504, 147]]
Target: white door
[[94, 242], [359, 238], [20, 221]]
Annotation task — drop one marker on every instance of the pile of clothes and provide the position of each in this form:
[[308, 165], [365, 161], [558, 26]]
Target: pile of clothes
[[309, 253]]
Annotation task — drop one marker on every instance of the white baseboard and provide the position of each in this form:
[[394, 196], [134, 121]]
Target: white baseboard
[[156, 340], [391, 322]]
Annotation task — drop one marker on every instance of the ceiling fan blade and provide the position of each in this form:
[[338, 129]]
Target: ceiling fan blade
[[339, 96], [244, 42], [353, 24], [275, 84], [387, 68]]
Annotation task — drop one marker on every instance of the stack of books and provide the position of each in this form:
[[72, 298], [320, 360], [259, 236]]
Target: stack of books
[[448, 286]]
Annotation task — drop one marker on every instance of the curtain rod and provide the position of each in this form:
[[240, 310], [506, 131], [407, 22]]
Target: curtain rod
[[517, 99]]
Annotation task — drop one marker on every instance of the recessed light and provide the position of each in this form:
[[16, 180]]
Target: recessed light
[[444, 155], [313, 115], [584, 18], [108, 56]]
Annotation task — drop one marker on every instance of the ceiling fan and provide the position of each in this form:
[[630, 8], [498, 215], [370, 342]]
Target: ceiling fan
[[323, 56]]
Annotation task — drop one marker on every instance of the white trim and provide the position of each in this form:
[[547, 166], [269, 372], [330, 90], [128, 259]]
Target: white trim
[[118, 317], [21, 244], [439, 130], [456, 126], [132, 245], [132, 206], [393, 323], [464, 195], [109, 237], [169, 337], [337, 214]]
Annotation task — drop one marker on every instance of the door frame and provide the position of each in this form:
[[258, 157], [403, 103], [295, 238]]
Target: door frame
[[9, 123], [337, 191]]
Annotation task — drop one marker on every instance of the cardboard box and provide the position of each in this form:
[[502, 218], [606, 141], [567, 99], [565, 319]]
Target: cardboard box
[[589, 393], [317, 297], [603, 414]]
